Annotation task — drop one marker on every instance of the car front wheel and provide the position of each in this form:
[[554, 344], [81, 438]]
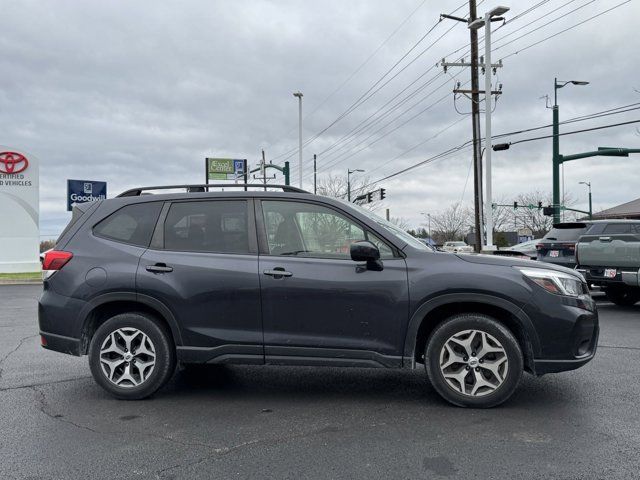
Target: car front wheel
[[131, 356], [473, 361], [623, 296]]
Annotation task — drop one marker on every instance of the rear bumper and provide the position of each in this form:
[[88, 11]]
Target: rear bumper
[[59, 343], [626, 277], [59, 322]]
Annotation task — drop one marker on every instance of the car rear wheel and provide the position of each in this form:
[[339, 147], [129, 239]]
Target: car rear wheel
[[473, 361], [623, 295], [131, 356]]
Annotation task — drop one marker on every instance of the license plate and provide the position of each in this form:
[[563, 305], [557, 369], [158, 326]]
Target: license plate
[[610, 272], [554, 253]]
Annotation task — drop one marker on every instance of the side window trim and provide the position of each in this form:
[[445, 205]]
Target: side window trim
[[262, 232], [158, 240]]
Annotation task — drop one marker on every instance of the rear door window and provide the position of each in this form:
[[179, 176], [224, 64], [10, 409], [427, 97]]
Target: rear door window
[[132, 224], [215, 226], [622, 228]]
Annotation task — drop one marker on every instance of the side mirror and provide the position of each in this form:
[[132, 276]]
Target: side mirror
[[364, 251]]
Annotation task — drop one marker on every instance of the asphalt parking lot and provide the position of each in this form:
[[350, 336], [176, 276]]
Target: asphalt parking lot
[[299, 423]]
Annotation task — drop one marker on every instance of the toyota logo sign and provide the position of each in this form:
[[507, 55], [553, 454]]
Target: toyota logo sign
[[12, 162]]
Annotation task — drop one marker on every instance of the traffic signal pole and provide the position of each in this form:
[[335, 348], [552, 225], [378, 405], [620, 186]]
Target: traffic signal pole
[[556, 162]]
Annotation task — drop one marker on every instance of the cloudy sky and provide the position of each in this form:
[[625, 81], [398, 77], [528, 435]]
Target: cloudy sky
[[139, 93]]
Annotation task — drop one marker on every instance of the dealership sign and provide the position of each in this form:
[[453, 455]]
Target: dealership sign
[[83, 191], [20, 212], [225, 168]]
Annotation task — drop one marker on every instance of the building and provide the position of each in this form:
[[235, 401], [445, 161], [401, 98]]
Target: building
[[629, 210]]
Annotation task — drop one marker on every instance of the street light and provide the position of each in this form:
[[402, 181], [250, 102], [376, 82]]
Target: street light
[[428, 215], [491, 15], [556, 144], [588, 184], [299, 95], [349, 172]]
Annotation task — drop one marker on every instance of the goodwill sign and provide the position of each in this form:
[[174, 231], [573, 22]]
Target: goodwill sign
[[83, 191]]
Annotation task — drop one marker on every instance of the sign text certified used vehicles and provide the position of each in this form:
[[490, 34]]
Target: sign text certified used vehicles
[[141, 282]]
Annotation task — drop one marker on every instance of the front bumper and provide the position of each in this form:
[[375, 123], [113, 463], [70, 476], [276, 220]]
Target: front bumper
[[567, 330]]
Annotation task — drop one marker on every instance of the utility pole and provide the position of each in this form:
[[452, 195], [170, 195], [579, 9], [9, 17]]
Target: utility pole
[[475, 121], [588, 184], [299, 95]]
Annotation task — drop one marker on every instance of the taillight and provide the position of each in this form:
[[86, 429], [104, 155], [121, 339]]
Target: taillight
[[55, 259], [571, 246], [539, 246]]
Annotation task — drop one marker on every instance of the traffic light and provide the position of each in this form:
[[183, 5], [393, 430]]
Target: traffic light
[[369, 197], [539, 205], [383, 193], [548, 211], [515, 205]]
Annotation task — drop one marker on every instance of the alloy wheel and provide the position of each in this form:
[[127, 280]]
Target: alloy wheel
[[473, 363], [127, 357]]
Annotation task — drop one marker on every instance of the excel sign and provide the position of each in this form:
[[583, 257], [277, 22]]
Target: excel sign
[[225, 168]]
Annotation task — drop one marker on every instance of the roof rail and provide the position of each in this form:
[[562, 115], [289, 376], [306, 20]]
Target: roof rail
[[204, 187]]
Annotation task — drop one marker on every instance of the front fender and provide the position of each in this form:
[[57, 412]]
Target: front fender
[[453, 298]]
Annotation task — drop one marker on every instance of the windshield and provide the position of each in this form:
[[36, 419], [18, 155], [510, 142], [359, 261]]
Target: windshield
[[397, 231]]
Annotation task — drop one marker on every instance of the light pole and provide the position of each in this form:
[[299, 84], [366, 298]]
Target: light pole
[[492, 15], [556, 145], [428, 215], [588, 184], [349, 172], [299, 95]]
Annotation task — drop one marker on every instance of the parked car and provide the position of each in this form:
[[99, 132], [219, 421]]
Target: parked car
[[457, 247], [608, 255], [558, 246], [525, 250], [143, 281]]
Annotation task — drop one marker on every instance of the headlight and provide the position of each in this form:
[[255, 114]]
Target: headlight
[[552, 281]]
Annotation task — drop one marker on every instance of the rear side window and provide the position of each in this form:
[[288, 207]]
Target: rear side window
[[132, 224], [216, 226], [621, 228]]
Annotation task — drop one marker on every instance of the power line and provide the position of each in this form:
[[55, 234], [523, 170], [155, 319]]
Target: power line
[[575, 131], [567, 29]]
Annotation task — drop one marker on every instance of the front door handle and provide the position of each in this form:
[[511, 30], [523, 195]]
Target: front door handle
[[278, 272], [159, 268]]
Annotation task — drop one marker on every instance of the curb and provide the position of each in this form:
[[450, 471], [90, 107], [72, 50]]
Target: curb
[[20, 282]]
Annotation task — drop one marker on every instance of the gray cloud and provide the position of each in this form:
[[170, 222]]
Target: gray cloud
[[140, 92]]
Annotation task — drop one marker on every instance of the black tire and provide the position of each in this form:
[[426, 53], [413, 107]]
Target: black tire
[[511, 350], [623, 296], [161, 342]]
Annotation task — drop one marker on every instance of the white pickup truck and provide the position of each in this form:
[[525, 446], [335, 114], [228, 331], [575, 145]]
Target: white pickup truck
[[608, 255]]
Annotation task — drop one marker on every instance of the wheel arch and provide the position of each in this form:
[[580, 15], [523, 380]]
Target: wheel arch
[[103, 307], [436, 310]]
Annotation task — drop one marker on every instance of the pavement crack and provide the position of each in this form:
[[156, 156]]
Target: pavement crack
[[14, 350], [44, 384], [620, 347], [44, 408]]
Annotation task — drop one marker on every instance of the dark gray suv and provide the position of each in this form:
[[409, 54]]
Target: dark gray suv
[[143, 281]]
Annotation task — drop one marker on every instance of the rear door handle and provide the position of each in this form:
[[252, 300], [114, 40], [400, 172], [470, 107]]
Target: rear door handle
[[278, 272], [159, 268], [605, 239]]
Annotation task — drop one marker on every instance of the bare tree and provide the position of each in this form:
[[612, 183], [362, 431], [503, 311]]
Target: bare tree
[[400, 222], [336, 186], [452, 223]]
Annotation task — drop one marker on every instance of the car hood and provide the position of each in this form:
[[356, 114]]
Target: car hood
[[511, 262]]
